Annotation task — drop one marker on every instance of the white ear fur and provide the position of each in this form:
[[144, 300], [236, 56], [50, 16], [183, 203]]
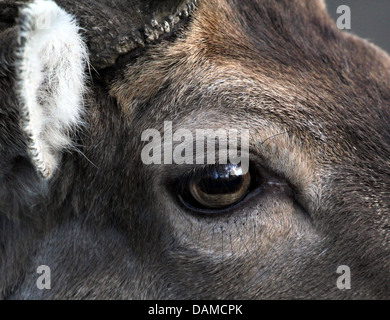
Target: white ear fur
[[50, 81]]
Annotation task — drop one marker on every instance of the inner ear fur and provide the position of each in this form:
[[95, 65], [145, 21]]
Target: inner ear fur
[[50, 72]]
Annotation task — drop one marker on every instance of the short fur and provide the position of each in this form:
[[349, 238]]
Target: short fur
[[316, 102]]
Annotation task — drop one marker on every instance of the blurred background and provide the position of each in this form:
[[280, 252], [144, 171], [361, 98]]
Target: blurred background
[[370, 19]]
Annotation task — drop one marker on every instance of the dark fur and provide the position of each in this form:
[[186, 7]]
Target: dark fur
[[109, 227]]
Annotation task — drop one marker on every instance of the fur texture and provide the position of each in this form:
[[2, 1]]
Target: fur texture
[[51, 66], [316, 102]]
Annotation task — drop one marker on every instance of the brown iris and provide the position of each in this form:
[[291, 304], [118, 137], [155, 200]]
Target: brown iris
[[219, 186]]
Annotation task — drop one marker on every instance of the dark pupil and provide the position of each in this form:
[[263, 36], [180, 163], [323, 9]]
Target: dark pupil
[[220, 180], [220, 185]]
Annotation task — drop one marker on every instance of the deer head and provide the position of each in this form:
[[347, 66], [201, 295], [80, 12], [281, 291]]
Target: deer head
[[80, 85]]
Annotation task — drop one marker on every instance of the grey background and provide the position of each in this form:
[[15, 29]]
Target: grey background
[[370, 19]]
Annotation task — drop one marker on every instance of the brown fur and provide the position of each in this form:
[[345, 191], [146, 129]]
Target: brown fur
[[316, 102]]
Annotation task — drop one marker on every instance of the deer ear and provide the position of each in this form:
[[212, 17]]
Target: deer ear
[[50, 72]]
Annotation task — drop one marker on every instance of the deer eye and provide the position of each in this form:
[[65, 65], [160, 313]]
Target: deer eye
[[215, 187]]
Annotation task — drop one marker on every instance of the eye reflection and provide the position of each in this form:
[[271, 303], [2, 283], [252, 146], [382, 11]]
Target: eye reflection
[[216, 187]]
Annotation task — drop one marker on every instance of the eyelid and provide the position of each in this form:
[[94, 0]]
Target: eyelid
[[264, 181], [269, 140]]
